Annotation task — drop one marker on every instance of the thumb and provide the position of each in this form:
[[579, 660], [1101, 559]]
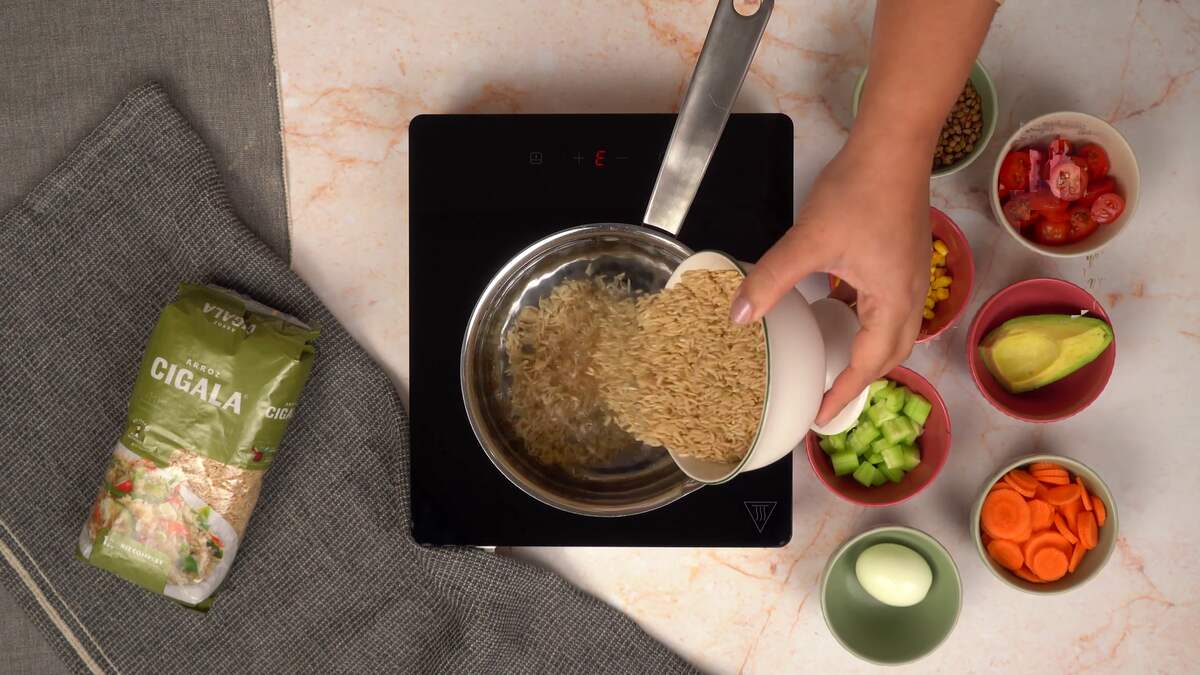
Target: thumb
[[791, 259]]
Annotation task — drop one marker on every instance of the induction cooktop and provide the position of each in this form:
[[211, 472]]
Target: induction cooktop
[[483, 187]]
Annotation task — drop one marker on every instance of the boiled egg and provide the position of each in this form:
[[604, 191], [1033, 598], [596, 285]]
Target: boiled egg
[[893, 574]]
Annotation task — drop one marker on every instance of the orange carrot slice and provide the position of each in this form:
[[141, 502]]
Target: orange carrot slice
[[1070, 512], [1061, 524], [1041, 540], [1050, 564], [1062, 495], [1041, 491], [1022, 482], [1083, 494], [1005, 515], [1086, 524], [1052, 478], [1099, 510], [1007, 553], [1076, 556], [1046, 466], [1049, 472], [1028, 576], [1041, 515]]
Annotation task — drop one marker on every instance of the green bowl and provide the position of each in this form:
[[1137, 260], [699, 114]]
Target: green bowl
[[1093, 561], [988, 103], [879, 633]]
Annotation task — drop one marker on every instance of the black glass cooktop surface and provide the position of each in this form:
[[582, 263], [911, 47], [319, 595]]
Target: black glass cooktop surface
[[483, 187]]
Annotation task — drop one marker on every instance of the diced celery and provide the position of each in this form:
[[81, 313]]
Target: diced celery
[[895, 399], [912, 457], [894, 457], [838, 441], [844, 463], [874, 457], [897, 429], [861, 436], [878, 389], [916, 408], [880, 444], [865, 474], [894, 475], [914, 430], [827, 446], [879, 479], [879, 413]]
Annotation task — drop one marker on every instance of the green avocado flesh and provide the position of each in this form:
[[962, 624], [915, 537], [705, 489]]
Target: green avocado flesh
[[1032, 351]]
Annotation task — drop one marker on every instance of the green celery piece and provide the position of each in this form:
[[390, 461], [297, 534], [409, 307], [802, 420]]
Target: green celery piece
[[895, 399], [878, 389], [897, 429], [912, 457], [893, 457], [838, 441], [861, 436], [865, 474], [827, 446], [914, 431], [880, 478], [844, 463], [916, 408], [894, 475], [879, 413], [880, 444], [874, 457]]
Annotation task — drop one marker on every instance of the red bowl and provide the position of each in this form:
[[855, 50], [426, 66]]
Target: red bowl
[[934, 444], [1055, 401], [960, 265]]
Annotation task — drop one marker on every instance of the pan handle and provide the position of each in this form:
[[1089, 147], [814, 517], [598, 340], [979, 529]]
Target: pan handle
[[722, 66]]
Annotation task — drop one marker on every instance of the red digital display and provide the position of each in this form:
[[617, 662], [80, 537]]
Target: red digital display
[[599, 158]]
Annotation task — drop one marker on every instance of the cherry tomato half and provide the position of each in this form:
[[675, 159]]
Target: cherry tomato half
[[1046, 203], [1060, 146], [1081, 224], [1067, 181], [1050, 233], [1107, 207], [1017, 210], [1095, 188], [1014, 170], [1096, 159]]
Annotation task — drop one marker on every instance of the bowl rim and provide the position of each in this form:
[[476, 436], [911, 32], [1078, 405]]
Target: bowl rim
[[989, 123], [1110, 519], [875, 531], [973, 362], [1049, 251], [810, 443]]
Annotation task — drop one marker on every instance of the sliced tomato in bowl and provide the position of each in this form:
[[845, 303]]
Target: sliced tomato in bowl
[[1095, 188], [1047, 204], [1051, 232], [1107, 208], [1096, 159], [1080, 224], [1017, 210], [1060, 146], [1014, 171]]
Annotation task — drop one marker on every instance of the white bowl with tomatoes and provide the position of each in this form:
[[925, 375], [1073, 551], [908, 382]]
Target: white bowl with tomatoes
[[1065, 184]]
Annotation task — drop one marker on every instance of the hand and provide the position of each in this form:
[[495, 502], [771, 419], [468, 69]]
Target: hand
[[865, 220]]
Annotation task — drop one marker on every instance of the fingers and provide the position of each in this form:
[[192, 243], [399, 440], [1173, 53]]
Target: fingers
[[791, 259], [883, 343]]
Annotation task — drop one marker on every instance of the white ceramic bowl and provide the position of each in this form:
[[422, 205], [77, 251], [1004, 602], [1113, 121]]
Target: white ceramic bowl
[[1078, 128], [807, 347]]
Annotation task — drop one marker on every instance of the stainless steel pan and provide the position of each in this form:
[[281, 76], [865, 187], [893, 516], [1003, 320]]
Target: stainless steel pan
[[641, 478]]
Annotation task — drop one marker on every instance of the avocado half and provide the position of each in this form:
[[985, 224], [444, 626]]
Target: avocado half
[[1029, 352]]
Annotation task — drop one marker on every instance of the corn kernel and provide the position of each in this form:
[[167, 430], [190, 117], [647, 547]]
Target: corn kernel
[[928, 314], [940, 247], [929, 303], [938, 272], [939, 260], [942, 282], [941, 293]]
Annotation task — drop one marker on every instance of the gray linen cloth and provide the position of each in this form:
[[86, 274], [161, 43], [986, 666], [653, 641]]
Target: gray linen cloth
[[328, 579]]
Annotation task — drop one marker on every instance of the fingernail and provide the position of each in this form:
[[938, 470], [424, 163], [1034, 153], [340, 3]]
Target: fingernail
[[740, 311]]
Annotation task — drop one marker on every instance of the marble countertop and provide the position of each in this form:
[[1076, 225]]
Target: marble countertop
[[353, 74]]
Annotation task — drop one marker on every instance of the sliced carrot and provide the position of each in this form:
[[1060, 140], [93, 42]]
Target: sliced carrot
[[1061, 524], [1041, 515], [1049, 472], [1001, 485], [1083, 494], [1043, 539], [1062, 495], [1050, 564], [1022, 482], [1076, 556], [1099, 510], [1041, 491], [1070, 512], [1028, 576], [1086, 524], [1052, 478], [1046, 466], [1005, 515], [1007, 553]]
